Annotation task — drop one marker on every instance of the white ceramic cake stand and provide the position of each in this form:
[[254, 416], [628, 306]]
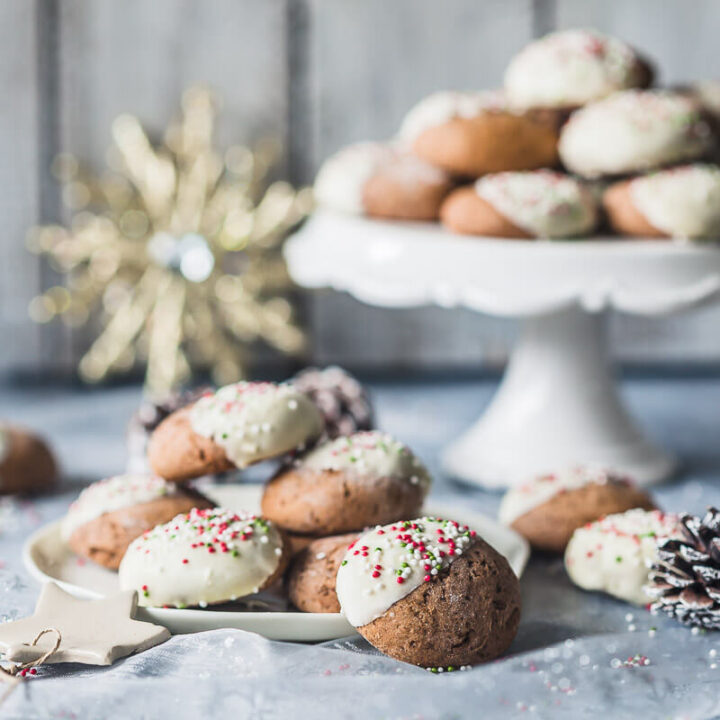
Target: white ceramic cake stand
[[558, 403]]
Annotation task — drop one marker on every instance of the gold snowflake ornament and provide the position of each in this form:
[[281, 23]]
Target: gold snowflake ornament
[[179, 249]]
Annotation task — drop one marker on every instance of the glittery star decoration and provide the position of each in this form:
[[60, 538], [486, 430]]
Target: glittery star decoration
[[177, 249], [93, 632]]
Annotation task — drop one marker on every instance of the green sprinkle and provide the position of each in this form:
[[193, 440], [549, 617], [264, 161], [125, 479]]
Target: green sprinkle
[[344, 562], [618, 559]]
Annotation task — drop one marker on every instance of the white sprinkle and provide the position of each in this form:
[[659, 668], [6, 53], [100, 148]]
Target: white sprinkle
[[632, 628], [629, 617], [292, 404], [695, 631], [713, 653], [202, 604], [321, 556]]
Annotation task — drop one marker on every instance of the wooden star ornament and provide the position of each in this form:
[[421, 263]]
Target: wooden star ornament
[[92, 632]]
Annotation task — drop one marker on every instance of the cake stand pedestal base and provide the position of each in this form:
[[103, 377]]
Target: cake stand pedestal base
[[557, 405]]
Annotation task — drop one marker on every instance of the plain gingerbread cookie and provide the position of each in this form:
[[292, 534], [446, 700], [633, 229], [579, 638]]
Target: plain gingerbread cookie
[[430, 592], [548, 509], [614, 554], [473, 133], [203, 558], [109, 514], [522, 205], [381, 181], [347, 484], [683, 202], [312, 575], [238, 425], [26, 462]]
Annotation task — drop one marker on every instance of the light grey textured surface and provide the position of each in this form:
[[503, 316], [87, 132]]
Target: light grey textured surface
[[565, 662]]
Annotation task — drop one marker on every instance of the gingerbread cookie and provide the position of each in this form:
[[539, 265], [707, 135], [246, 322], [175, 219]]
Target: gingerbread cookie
[[549, 508], [311, 579], [473, 133], [430, 592], [541, 203], [339, 396], [111, 513], [381, 181], [614, 554], [236, 426], [570, 68], [347, 484], [634, 131], [26, 462], [682, 202], [202, 558]]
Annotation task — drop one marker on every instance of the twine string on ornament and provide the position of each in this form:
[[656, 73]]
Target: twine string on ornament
[[16, 672]]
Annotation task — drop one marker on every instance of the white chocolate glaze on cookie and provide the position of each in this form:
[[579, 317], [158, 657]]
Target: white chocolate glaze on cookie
[[633, 131], [570, 67], [372, 453], [614, 553], [683, 202], [523, 498], [387, 563], [204, 557], [255, 421], [341, 181], [113, 494], [443, 106], [541, 202]]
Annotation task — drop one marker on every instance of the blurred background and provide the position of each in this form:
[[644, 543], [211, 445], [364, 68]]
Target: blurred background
[[315, 75]]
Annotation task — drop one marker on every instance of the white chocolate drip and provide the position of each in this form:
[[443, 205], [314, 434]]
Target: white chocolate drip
[[256, 421]]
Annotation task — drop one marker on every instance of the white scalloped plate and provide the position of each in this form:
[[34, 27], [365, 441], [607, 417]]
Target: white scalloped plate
[[400, 264], [47, 558]]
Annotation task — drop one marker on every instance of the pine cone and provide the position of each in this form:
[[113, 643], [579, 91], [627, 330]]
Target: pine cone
[[339, 396], [685, 580]]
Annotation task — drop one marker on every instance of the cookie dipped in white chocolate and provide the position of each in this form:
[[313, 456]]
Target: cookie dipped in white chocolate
[[544, 203], [204, 557], [613, 554], [634, 131], [443, 106], [340, 183], [4, 449], [111, 494], [370, 453], [683, 202], [570, 68], [254, 421], [387, 563], [341, 179], [523, 498]]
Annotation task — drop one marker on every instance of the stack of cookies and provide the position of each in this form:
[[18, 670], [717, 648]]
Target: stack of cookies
[[575, 140], [341, 527]]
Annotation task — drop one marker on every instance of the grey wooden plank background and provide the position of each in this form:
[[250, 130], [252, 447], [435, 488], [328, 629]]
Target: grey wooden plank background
[[318, 73]]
